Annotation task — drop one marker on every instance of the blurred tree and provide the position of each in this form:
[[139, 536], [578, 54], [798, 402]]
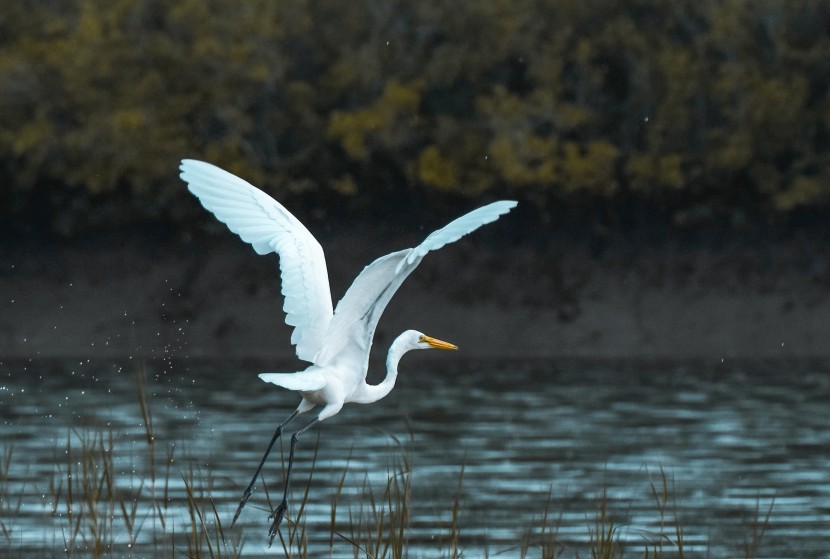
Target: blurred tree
[[709, 109], [103, 96]]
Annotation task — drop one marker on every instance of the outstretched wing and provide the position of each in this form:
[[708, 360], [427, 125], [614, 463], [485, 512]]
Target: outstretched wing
[[264, 223], [349, 337]]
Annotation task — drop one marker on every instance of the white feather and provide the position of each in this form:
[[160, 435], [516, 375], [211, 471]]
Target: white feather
[[264, 223], [350, 333], [459, 227]]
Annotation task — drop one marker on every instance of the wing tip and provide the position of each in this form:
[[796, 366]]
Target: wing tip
[[194, 165], [189, 167], [186, 162], [506, 204]]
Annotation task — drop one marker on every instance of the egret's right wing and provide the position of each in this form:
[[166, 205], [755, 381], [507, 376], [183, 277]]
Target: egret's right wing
[[351, 330], [264, 223]]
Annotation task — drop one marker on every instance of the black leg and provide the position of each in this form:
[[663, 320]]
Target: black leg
[[279, 512], [250, 487]]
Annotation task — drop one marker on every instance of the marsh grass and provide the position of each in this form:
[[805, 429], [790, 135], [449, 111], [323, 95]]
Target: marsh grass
[[91, 499], [103, 508], [9, 504], [454, 544], [546, 541], [758, 527], [206, 535], [164, 506], [378, 527], [665, 540], [603, 534]]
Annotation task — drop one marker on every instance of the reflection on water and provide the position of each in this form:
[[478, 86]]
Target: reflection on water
[[733, 441]]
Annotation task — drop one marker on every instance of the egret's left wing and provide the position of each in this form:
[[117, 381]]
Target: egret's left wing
[[264, 223], [352, 328]]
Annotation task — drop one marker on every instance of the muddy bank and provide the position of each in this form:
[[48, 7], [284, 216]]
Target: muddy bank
[[213, 301]]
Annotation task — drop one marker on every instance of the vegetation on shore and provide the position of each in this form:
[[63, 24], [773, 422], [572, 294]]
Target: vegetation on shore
[[622, 113]]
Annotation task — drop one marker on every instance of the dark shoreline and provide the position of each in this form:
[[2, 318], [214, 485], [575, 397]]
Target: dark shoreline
[[219, 300]]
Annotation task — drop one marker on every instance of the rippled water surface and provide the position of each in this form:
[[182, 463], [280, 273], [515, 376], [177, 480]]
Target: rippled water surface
[[744, 450]]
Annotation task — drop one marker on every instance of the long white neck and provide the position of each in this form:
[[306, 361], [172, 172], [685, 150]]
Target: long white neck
[[374, 392]]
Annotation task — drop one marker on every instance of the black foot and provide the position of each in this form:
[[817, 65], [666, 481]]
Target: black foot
[[241, 506], [276, 519]]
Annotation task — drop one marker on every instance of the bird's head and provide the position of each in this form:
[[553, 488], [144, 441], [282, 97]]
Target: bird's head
[[419, 340]]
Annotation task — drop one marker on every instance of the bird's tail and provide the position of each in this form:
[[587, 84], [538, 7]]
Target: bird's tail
[[304, 381]]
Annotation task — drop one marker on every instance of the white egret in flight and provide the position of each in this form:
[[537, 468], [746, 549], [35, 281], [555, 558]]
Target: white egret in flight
[[336, 343]]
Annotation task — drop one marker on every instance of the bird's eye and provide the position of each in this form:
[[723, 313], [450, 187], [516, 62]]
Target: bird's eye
[[421, 338]]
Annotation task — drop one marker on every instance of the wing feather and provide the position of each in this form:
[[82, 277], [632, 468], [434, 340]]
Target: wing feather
[[350, 333], [263, 222], [459, 227]]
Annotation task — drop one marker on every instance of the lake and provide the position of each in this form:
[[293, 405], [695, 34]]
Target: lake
[[742, 449]]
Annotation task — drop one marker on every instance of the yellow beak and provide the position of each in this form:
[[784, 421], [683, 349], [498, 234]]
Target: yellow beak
[[438, 344]]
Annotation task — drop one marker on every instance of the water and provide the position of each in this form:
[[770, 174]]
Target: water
[[735, 443]]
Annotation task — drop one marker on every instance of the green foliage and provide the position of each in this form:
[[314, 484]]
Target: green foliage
[[576, 103], [388, 117], [104, 96]]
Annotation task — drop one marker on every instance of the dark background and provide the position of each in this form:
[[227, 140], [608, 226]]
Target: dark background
[[670, 160]]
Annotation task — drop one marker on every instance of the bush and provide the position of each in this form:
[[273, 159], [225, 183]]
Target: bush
[[707, 108]]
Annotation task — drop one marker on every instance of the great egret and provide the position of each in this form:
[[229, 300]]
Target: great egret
[[336, 342]]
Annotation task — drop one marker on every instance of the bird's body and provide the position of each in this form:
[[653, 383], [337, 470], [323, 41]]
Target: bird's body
[[337, 341]]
